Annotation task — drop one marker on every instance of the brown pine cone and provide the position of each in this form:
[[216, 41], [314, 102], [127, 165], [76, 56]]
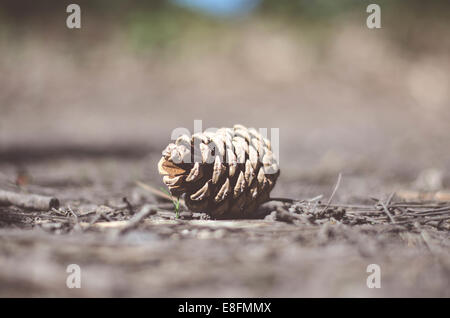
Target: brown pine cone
[[226, 174]]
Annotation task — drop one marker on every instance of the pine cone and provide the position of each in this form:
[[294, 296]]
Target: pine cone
[[226, 174]]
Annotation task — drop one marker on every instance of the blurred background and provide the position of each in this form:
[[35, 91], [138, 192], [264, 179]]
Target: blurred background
[[367, 102]]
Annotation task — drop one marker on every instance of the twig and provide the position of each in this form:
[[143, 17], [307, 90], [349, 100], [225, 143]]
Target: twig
[[420, 214], [153, 190], [161, 194], [128, 204], [338, 182], [316, 198], [146, 210], [73, 213], [386, 210], [29, 201], [57, 211], [443, 209], [388, 202]]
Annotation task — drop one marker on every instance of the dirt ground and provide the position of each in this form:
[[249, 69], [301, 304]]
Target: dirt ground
[[85, 126], [275, 256]]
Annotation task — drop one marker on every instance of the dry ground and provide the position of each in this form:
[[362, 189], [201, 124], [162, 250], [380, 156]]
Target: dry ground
[[278, 255], [86, 125]]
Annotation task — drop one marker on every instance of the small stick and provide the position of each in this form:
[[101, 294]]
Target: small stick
[[29, 201], [288, 200], [316, 198], [428, 214], [57, 211], [128, 204], [97, 217], [153, 190], [441, 218], [443, 209], [385, 209], [159, 193], [73, 213], [146, 210], [338, 182], [388, 202]]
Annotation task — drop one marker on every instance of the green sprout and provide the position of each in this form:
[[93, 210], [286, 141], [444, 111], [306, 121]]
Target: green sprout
[[176, 202]]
